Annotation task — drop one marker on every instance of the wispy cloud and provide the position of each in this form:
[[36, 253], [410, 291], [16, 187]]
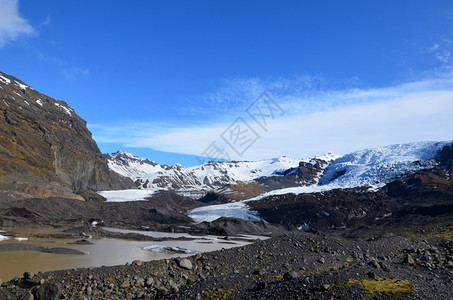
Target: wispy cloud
[[315, 122], [68, 71], [12, 25], [235, 95], [46, 22], [71, 74], [441, 51]]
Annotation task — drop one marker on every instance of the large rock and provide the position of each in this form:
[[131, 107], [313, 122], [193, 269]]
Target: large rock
[[185, 264], [48, 291], [46, 149]]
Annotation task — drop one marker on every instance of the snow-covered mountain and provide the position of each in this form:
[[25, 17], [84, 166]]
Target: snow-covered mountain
[[379, 166], [373, 168], [366, 168], [210, 176]]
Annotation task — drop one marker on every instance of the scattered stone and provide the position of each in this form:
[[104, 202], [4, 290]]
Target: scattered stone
[[137, 262], [259, 272], [29, 275], [149, 282], [325, 287], [374, 264], [185, 264], [125, 284], [27, 283], [162, 291], [140, 282], [409, 259], [290, 276], [27, 296]]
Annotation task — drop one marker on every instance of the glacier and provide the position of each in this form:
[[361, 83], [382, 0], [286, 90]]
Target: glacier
[[372, 168]]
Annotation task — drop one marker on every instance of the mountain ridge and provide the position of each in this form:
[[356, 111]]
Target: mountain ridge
[[213, 176], [372, 167]]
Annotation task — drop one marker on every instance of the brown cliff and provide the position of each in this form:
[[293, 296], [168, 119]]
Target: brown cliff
[[46, 149]]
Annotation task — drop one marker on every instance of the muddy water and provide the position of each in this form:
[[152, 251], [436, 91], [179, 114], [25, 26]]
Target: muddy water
[[103, 252]]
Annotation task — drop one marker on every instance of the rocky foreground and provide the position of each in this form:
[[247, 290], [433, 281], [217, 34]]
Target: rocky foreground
[[364, 263]]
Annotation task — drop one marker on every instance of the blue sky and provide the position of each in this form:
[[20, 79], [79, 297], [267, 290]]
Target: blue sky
[[172, 80]]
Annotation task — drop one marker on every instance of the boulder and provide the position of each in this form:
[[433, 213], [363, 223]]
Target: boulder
[[185, 264], [48, 291]]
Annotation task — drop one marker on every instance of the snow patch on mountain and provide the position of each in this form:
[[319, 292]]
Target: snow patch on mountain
[[66, 110], [328, 156], [4, 79], [126, 195], [21, 85]]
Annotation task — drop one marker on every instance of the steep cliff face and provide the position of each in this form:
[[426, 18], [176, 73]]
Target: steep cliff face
[[46, 150]]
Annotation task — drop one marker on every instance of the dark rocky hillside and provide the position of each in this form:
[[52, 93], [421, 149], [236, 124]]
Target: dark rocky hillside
[[46, 149], [414, 200]]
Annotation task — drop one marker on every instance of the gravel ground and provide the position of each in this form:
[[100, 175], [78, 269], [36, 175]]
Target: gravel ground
[[411, 263]]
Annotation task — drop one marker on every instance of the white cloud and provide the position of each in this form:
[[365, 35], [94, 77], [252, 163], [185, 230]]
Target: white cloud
[[12, 25], [339, 121]]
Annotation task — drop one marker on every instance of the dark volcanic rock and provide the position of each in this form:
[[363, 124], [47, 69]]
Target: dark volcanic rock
[[232, 226], [413, 199], [445, 157], [136, 214], [46, 149], [307, 173], [214, 198]]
